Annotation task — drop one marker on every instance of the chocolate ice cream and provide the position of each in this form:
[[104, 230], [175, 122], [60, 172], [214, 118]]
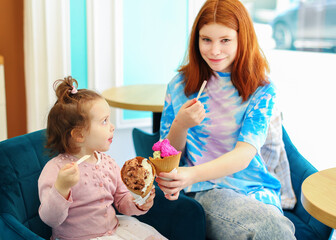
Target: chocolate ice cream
[[138, 175]]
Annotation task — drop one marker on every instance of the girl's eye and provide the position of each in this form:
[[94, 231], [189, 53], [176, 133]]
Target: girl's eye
[[206, 40], [226, 40], [105, 121]]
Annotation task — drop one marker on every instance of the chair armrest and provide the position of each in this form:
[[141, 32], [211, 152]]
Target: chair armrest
[[300, 169], [11, 228], [183, 218]]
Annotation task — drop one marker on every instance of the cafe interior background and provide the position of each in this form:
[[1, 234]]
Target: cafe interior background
[[109, 43]]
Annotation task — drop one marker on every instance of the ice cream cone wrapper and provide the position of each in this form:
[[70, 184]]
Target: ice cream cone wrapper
[[139, 199], [166, 164]]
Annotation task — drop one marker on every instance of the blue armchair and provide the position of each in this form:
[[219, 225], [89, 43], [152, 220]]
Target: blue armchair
[[21, 161], [306, 227]]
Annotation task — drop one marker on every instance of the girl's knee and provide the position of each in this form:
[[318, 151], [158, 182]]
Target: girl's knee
[[275, 227]]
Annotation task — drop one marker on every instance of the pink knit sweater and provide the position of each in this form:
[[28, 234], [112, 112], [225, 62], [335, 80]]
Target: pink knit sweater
[[88, 212]]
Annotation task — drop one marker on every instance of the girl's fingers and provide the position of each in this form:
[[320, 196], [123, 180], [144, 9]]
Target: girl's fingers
[[67, 166], [171, 184], [72, 170], [163, 188], [172, 196], [169, 191], [152, 194], [167, 175], [190, 103]]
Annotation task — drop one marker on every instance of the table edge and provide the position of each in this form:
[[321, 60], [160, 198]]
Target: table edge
[[132, 106], [128, 106], [311, 207]]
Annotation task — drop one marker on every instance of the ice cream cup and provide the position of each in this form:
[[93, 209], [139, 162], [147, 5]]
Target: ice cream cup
[[166, 164]]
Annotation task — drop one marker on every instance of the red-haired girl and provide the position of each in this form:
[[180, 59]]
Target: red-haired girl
[[221, 134]]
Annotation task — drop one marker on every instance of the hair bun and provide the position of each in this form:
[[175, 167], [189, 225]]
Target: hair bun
[[64, 88]]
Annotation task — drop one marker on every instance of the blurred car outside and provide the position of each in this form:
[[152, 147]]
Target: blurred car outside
[[261, 11], [306, 25]]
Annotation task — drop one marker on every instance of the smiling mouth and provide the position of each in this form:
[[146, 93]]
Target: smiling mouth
[[110, 140], [216, 60]]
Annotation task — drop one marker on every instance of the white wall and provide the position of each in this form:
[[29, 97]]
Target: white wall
[[122, 148], [306, 84]]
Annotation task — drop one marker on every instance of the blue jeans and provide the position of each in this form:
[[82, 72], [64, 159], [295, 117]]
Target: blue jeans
[[231, 215]]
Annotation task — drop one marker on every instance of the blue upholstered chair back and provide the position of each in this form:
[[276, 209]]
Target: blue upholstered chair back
[[21, 161], [143, 142]]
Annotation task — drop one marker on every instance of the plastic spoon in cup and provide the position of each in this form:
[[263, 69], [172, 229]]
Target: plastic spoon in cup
[[82, 159], [201, 89]]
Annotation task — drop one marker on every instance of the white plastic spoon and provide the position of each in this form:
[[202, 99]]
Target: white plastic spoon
[[82, 159], [201, 89]]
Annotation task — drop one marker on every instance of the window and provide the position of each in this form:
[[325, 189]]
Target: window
[[299, 41], [154, 41]]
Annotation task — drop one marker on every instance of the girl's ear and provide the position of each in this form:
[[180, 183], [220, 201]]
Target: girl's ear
[[77, 135]]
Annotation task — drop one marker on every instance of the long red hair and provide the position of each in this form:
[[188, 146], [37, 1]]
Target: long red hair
[[250, 66]]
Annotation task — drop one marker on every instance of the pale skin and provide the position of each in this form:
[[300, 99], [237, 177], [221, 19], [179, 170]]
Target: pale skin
[[97, 138], [218, 46]]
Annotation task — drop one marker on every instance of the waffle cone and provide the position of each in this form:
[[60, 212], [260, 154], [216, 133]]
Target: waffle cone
[[166, 164], [139, 192]]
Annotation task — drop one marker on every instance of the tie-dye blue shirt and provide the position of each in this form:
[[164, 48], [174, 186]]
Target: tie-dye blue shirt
[[227, 121]]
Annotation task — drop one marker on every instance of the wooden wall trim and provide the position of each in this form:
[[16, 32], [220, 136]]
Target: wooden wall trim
[[3, 114], [11, 48]]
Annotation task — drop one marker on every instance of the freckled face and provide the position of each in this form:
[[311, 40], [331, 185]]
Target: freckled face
[[218, 46]]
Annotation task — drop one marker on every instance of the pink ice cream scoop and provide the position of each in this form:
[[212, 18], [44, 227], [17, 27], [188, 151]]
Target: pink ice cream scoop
[[165, 148]]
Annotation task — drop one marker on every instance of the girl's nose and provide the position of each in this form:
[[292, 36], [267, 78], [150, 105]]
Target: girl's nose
[[112, 127], [215, 49]]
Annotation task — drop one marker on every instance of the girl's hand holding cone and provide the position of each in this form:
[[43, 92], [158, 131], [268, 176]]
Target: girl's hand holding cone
[[149, 202], [179, 181]]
